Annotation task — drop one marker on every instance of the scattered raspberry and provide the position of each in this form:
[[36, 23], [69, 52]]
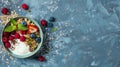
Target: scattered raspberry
[[22, 38], [4, 11], [11, 37], [17, 35], [25, 6], [5, 39], [43, 22], [41, 58], [7, 45]]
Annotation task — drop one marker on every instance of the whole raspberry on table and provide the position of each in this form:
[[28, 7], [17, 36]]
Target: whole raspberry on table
[[5, 11], [25, 6], [43, 22], [41, 58]]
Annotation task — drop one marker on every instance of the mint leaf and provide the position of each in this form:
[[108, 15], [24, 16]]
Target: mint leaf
[[10, 28], [21, 27], [13, 21]]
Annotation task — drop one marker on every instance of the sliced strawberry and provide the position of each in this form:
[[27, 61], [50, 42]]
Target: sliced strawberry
[[32, 29]]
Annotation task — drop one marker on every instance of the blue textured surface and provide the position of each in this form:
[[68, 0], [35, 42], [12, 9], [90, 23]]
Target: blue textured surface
[[87, 35]]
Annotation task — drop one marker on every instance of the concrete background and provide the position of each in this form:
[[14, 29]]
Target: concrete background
[[88, 33]]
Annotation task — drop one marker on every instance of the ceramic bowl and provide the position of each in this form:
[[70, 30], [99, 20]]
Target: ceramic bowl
[[38, 47]]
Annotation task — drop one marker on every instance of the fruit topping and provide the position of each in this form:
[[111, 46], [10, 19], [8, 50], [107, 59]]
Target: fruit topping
[[5, 34], [17, 35], [24, 23], [32, 35], [5, 39], [38, 40], [22, 38], [11, 37], [32, 29], [7, 45]]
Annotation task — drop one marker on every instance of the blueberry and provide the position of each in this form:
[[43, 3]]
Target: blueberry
[[38, 40], [32, 35], [52, 19], [49, 25], [24, 23]]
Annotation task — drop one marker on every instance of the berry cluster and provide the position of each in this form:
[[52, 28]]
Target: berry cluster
[[10, 36], [45, 23]]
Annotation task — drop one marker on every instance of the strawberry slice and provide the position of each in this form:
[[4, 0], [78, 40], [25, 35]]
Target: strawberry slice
[[32, 29]]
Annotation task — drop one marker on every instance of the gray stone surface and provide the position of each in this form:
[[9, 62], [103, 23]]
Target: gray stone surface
[[87, 35]]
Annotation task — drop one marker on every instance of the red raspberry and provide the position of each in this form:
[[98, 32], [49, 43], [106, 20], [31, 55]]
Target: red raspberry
[[22, 38], [41, 58], [4, 11], [5, 39], [43, 22], [17, 35], [7, 45], [25, 6], [13, 33], [6, 34], [11, 37], [23, 32]]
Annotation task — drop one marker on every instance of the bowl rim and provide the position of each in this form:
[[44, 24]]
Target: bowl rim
[[38, 47]]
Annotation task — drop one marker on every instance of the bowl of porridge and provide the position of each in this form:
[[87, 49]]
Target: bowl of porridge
[[22, 37]]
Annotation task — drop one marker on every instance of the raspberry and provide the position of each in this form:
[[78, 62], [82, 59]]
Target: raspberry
[[25, 6], [4, 11], [17, 35], [43, 22], [41, 58], [5, 39], [13, 33], [23, 32], [22, 38], [7, 45], [11, 37], [5, 34]]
